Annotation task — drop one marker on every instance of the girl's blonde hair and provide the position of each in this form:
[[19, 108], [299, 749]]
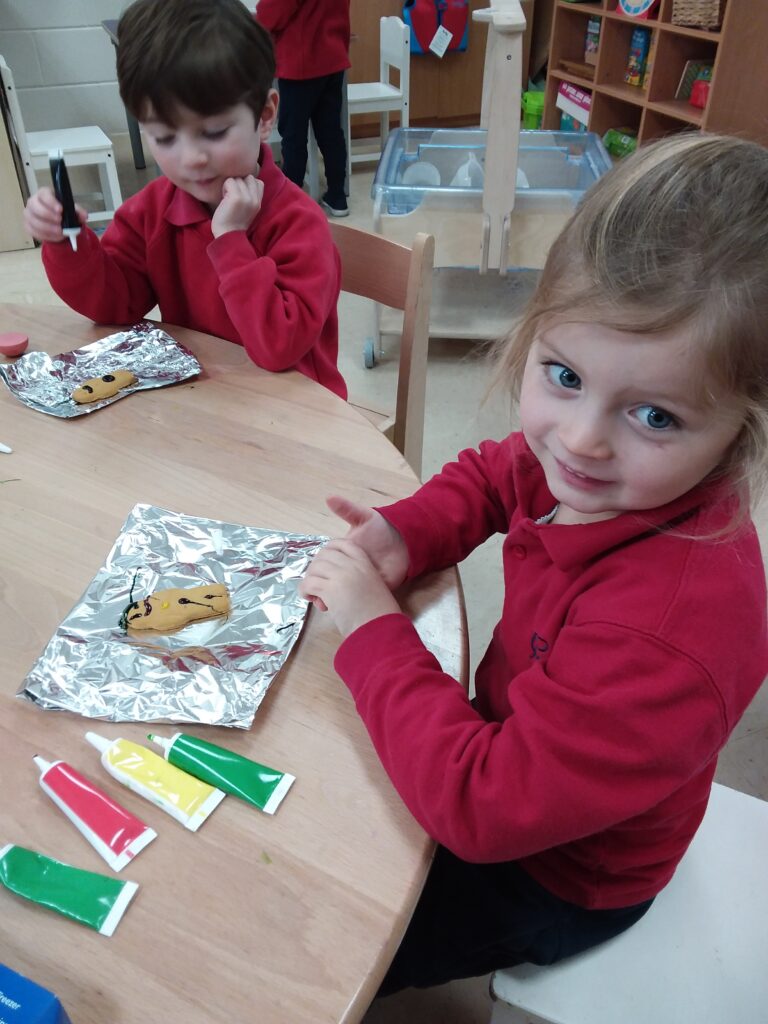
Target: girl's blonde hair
[[674, 237]]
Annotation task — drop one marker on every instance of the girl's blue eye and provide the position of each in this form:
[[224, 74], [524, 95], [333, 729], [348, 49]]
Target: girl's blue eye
[[563, 376], [655, 418]]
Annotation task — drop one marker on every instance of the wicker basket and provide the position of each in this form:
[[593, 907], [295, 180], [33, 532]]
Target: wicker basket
[[698, 13]]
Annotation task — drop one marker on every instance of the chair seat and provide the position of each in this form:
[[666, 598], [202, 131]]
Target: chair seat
[[698, 955], [367, 97], [71, 140]]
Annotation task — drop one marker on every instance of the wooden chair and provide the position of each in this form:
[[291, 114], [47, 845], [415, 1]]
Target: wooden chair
[[697, 957], [394, 275], [80, 146]]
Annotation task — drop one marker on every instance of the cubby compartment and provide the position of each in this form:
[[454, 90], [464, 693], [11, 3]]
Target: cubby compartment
[[610, 112], [616, 37], [673, 52], [566, 58], [656, 125]]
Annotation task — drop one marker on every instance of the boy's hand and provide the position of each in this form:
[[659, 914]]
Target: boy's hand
[[240, 202], [42, 216], [343, 580], [379, 540]]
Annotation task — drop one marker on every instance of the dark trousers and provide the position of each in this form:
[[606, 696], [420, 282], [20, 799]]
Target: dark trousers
[[316, 100], [472, 919]]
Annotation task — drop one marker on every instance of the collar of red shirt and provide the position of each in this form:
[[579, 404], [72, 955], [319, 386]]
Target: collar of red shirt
[[704, 509]]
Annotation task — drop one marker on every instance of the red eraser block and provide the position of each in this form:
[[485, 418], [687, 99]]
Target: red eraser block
[[13, 343]]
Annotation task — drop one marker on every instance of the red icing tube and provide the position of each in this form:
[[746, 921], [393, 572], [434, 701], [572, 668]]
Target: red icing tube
[[112, 831]]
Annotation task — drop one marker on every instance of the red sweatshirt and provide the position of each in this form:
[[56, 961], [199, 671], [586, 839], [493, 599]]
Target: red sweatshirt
[[625, 656], [272, 288], [311, 37]]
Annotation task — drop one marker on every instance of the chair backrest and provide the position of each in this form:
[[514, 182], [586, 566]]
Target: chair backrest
[[394, 275], [17, 124], [395, 50]]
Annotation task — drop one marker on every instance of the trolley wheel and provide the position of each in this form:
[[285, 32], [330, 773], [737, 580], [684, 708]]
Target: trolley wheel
[[369, 354]]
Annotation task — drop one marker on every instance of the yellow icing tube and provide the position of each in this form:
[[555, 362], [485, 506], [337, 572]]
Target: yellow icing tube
[[184, 797]]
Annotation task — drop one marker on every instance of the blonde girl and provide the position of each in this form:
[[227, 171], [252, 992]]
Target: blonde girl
[[633, 630]]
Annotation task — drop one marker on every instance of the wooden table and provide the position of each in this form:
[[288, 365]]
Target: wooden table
[[291, 918]]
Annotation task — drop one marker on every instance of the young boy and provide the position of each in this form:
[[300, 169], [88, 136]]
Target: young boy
[[224, 243], [312, 48]]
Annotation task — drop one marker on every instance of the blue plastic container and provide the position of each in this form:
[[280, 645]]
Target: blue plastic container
[[555, 168]]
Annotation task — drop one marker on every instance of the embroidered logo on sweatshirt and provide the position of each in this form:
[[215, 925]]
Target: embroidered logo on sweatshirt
[[539, 646]]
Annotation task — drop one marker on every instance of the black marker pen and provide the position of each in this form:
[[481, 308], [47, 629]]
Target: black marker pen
[[70, 223]]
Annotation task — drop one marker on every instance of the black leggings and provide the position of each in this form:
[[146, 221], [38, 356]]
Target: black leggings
[[317, 100], [472, 919]]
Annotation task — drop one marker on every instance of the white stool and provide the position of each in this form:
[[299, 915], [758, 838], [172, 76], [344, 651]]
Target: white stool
[[699, 956], [80, 146]]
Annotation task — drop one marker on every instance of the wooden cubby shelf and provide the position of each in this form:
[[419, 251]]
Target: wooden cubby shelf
[[737, 104]]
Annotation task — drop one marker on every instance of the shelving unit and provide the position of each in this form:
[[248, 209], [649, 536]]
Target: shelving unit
[[738, 97]]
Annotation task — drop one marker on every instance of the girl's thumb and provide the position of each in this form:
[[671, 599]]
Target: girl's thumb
[[351, 513]]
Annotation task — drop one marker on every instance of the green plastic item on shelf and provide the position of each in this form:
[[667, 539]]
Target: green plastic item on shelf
[[533, 109], [620, 141]]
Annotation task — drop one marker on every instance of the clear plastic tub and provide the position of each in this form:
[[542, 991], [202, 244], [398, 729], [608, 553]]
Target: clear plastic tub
[[554, 167]]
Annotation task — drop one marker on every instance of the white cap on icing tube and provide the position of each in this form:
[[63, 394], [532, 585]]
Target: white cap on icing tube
[[162, 742], [100, 742], [41, 763]]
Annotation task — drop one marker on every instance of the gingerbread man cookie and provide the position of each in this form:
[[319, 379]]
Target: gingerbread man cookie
[[96, 389], [167, 610]]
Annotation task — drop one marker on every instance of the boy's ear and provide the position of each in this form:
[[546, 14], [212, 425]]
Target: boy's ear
[[268, 115]]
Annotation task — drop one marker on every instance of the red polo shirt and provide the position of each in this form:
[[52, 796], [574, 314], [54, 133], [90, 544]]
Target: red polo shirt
[[626, 652], [272, 288]]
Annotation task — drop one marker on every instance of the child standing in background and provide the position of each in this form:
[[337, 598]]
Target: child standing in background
[[224, 243], [312, 48], [633, 629]]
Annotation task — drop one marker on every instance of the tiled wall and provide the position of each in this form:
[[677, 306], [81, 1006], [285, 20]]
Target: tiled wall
[[63, 62]]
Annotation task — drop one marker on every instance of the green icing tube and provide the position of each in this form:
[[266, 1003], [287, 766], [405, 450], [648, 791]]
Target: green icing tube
[[90, 898], [263, 787]]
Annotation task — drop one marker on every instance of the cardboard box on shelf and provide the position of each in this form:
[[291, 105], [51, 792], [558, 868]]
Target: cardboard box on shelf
[[574, 101]]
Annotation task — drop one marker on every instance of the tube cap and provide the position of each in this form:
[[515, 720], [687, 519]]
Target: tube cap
[[13, 343], [41, 763], [161, 741], [100, 742]]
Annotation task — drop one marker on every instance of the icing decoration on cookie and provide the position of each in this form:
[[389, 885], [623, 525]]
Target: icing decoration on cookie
[[96, 389], [167, 610]]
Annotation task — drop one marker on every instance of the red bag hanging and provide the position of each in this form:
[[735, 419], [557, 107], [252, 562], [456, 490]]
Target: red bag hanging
[[426, 16]]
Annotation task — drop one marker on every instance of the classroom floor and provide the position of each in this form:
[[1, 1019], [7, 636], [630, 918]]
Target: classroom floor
[[456, 417]]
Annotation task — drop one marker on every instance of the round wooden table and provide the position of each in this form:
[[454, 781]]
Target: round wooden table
[[254, 918]]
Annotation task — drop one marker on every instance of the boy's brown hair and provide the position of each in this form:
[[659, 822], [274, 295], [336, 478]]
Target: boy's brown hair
[[204, 54], [673, 237]]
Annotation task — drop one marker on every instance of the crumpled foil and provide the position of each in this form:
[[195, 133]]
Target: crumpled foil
[[45, 383], [213, 672]]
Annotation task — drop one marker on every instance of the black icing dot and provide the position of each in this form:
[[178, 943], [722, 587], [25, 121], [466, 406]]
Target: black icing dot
[[108, 377]]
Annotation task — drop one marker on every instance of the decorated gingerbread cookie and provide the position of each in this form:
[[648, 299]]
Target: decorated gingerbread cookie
[[165, 611], [98, 388]]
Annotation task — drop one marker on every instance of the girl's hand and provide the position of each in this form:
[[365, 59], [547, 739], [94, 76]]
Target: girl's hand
[[42, 216], [240, 202], [379, 540], [343, 581]]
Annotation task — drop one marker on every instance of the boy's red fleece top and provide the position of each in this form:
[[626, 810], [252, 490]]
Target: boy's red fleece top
[[624, 657], [311, 37], [272, 288]]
